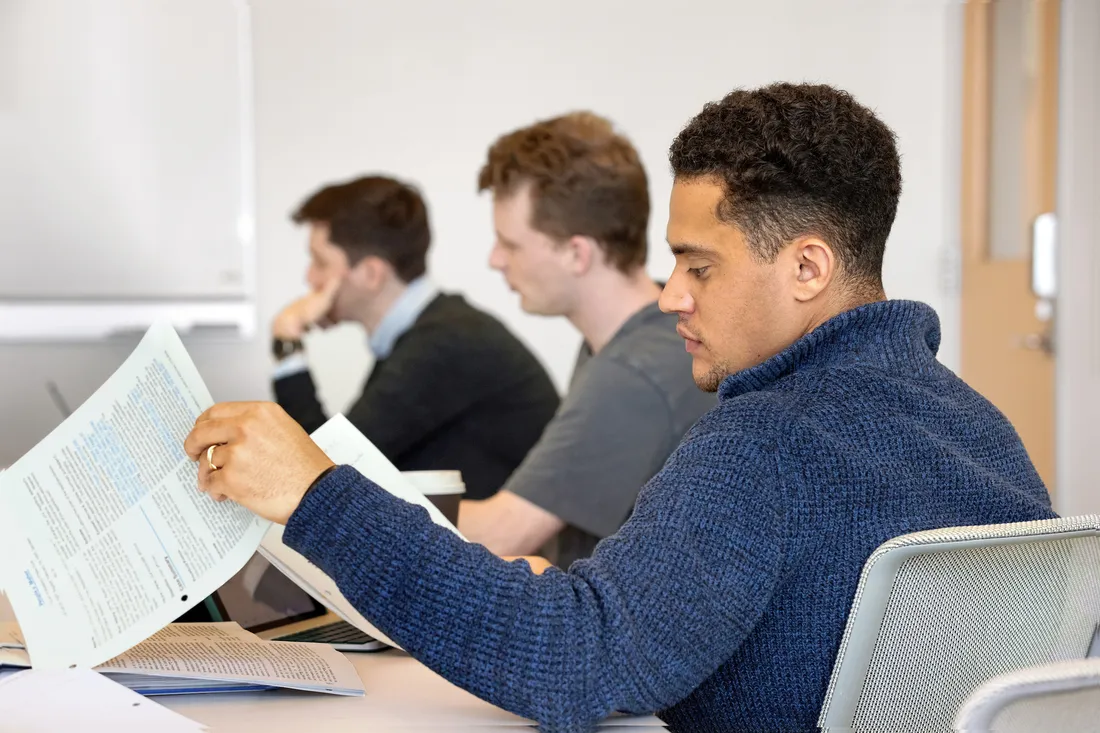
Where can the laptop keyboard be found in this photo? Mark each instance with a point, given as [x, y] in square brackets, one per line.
[340, 632]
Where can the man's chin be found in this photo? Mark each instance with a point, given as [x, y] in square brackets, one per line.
[534, 309]
[708, 378]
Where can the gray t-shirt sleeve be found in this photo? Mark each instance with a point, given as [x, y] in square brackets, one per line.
[612, 433]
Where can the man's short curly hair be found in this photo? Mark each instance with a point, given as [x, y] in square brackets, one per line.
[798, 159]
[586, 179]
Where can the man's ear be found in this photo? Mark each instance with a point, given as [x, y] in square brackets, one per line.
[370, 273]
[814, 266]
[584, 251]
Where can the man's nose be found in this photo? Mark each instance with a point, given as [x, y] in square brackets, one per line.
[674, 298]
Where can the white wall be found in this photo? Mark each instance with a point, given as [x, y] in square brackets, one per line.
[421, 88]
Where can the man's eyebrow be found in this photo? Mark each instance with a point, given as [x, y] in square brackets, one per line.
[686, 248]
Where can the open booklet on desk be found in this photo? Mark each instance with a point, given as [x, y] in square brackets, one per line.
[104, 537]
[221, 657]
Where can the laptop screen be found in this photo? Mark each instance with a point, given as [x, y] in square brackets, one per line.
[260, 597]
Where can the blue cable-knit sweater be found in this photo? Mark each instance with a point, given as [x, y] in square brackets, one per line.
[721, 603]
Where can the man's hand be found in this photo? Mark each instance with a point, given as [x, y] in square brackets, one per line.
[538, 565]
[306, 312]
[265, 461]
[507, 524]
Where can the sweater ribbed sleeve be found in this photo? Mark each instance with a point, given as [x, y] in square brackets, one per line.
[636, 628]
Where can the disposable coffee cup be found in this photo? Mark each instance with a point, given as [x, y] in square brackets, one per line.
[443, 488]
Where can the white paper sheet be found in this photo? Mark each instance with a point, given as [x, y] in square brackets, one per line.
[55, 701]
[227, 652]
[106, 538]
[344, 444]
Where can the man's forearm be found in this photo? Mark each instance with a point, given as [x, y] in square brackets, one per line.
[507, 524]
[460, 611]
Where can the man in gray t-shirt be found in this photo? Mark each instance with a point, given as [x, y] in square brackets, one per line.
[571, 210]
[628, 406]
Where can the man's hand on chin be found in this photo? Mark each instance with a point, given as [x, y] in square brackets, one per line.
[308, 311]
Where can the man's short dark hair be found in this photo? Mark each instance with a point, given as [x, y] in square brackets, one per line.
[798, 159]
[374, 215]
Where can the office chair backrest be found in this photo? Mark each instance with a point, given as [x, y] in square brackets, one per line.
[1056, 698]
[937, 613]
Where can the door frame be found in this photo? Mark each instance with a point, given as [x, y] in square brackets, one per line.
[995, 305]
[1078, 318]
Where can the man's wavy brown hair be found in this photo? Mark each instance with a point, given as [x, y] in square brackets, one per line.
[585, 179]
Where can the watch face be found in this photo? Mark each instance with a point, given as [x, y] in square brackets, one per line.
[284, 348]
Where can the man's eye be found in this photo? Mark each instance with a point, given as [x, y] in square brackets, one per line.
[698, 271]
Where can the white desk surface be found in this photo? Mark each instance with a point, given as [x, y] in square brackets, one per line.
[401, 694]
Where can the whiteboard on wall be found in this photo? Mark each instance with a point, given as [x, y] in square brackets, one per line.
[125, 165]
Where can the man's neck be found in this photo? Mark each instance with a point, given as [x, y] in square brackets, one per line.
[608, 301]
[376, 309]
[843, 302]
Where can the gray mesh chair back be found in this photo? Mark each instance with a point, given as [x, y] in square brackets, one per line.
[1061, 697]
[937, 613]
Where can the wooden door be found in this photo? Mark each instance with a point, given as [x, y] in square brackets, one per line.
[1009, 147]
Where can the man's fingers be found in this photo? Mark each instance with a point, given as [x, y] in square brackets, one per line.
[330, 288]
[205, 474]
[537, 564]
[322, 303]
[212, 431]
[210, 481]
[224, 410]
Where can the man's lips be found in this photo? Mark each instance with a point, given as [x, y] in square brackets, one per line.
[691, 342]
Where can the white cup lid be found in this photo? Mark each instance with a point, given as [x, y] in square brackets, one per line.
[436, 482]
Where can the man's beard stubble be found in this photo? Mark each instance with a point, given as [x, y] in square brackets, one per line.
[710, 381]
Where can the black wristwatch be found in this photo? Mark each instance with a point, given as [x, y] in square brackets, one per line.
[282, 348]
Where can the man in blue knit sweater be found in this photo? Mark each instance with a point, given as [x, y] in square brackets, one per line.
[720, 604]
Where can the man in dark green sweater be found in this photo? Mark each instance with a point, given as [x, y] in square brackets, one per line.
[451, 387]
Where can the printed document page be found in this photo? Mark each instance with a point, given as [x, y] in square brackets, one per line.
[104, 536]
[90, 701]
[222, 652]
[227, 652]
[344, 444]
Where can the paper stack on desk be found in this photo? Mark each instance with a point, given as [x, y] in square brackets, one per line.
[218, 657]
